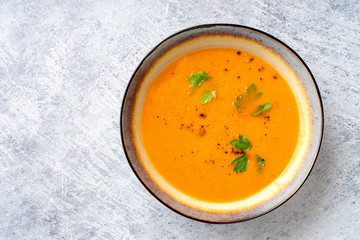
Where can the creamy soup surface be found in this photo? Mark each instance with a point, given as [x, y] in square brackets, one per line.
[188, 143]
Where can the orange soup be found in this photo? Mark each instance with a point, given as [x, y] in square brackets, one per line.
[219, 124]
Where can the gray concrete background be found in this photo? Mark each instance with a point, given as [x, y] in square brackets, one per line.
[64, 66]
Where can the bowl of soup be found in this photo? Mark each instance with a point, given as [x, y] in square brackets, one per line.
[222, 123]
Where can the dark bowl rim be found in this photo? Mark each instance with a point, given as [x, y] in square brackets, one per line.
[236, 26]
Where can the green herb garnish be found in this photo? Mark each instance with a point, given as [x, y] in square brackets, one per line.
[251, 91]
[262, 108]
[238, 102]
[197, 79]
[237, 106]
[242, 145]
[206, 97]
[250, 94]
[240, 164]
[261, 163]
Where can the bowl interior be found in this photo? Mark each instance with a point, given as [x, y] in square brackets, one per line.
[277, 54]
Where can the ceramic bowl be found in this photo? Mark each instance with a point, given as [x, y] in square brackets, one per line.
[277, 54]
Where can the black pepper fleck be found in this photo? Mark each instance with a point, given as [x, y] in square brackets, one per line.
[202, 115]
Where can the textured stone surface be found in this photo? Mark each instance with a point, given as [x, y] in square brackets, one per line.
[64, 66]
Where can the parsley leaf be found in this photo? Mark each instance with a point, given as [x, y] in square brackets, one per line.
[197, 79]
[240, 164]
[262, 108]
[261, 163]
[242, 145]
[237, 106]
[206, 97]
[239, 100]
[251, 91]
